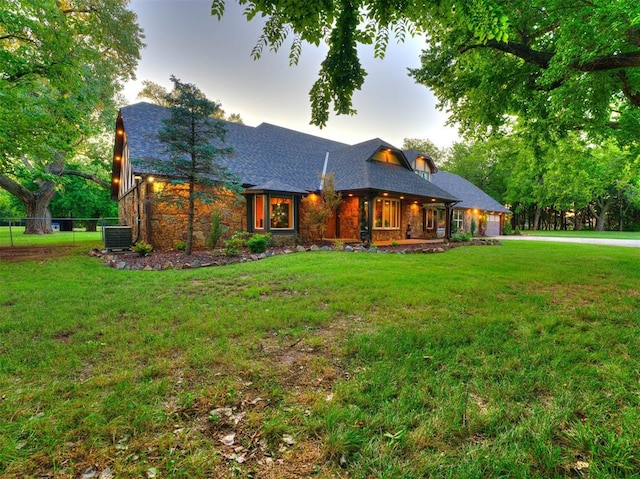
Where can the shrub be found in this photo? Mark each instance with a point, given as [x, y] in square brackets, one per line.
[474, 227]
[217, 229]
[461, 237]
[238, 240]
[180, 245]
[142, 248]
[258, 243]
[507, 229]
[338, 245]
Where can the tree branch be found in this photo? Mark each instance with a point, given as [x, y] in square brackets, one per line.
[542, 59]
[87, 176]
[633, 96]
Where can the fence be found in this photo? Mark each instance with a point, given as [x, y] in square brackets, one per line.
[65, 231]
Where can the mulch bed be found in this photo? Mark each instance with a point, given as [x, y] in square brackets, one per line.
[163, 260]
[160, 260]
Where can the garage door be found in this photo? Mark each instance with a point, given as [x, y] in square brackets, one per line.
[493, 225]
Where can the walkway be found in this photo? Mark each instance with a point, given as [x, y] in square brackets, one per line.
[558, 239]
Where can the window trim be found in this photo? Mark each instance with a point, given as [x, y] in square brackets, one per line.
[393, 225]
[258, 213]
[290, 215]
[458, 217]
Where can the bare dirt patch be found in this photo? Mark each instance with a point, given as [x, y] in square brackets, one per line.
[34, 253]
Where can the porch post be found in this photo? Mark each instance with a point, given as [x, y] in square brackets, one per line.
[447, 220]
[370, 216]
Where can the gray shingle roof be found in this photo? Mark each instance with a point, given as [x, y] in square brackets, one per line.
[269, 157]
[470, 195]
[354, 169]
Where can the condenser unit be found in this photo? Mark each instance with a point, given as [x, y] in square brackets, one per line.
[118, 238]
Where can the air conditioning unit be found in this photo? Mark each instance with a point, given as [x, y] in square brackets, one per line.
[118, 238]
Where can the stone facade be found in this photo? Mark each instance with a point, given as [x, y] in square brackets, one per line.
[157, 211]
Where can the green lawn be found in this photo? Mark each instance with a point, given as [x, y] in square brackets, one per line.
[15, 236]
[627, 235]
[516, 361]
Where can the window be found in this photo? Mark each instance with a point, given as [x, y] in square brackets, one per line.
[430, 221]
[422, 168]
[281, 212]
[386, 214]
[458, 220]
[258, 209]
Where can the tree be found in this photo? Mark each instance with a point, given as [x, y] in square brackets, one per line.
[345, 24]
[159, 94]
[62, 64]
[318, 210]
[563, 66]
[553, 64]
[194, 142]
[425, 146]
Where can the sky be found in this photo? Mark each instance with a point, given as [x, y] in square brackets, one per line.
[184, 40]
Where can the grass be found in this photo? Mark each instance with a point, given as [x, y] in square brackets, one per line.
[514, 361]
[626, 235]
[15, 236]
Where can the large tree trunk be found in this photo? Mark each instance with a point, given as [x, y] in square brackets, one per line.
[601, 215]
[536, 219]
[36, 202]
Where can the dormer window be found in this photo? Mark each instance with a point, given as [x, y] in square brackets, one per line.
[422, 168]
[386, 155]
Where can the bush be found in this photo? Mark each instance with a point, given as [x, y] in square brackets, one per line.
[238, 240]
[180, 245]
[507, 229]
[217, 229]
[461, 237]
[338, 245]
[258, 243]
[142, 248]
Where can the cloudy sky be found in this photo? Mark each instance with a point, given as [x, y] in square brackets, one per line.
[183, 39]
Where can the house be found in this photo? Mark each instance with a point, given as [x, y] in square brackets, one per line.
[383, 197]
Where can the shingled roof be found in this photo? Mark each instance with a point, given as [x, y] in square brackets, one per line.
[355, 169]
[470, 195]
[269, 157]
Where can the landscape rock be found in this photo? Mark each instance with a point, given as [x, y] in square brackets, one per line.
[314, 247]
[300, 249]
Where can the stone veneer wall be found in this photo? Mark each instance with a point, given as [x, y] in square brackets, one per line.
[167, 220]
[349, 217]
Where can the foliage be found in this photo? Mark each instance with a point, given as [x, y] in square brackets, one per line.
[473, 228]
[158, 95]
[194, 143]
[258, 243]
[180, 245]
[506, 228]
[9, 207]
[461, 237]
[237, 241]
[427, 147]
[338, 245]
[62, 64]
[142, 248]
[318, 210]
[343, 25]
[560, 69]
[217, 229]
[521, 363]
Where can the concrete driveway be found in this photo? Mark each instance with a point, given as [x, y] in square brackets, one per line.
[554, 239]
